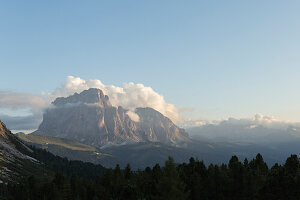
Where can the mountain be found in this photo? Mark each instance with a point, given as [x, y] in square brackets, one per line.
[15, 159]
[90, 118]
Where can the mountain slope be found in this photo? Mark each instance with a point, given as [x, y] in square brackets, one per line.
[15, 161]
[90, 118]
[44, 141]
[138, 155]
[62, 147]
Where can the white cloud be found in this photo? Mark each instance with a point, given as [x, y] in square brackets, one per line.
[258, 129]
[21, 100]
[193, 123]
[133, 116]
[18, 102]
[257, 120]
[261, 120]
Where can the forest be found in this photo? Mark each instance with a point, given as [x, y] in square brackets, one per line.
[237, 180]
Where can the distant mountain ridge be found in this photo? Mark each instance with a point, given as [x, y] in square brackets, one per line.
[90, 118]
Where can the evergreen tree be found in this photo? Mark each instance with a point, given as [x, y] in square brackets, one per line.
[170, 186]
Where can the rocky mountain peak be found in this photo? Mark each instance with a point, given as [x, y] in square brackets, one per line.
[89, 118]
[90, 96]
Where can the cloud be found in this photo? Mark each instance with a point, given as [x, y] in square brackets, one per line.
[257, 120]
[130, 96]
[193, 123]
[16, 101]
[19, 101]
[258, 129]
[133, 116]
[261, 120]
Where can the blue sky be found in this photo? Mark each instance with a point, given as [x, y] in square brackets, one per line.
[221, 58]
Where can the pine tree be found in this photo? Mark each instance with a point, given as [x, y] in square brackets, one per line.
[170, 186]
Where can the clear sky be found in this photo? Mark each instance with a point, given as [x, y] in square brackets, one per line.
[221, 58]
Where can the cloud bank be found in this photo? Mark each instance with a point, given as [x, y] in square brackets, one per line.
[258, 129]
[130, 96]
[261, 120]
[257, 120]
[16, 101]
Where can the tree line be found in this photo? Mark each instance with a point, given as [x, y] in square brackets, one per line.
[237, 180]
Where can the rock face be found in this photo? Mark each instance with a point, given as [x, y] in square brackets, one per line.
[90, 118]
[157, 128]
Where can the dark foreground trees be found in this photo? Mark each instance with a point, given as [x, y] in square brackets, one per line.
[237, 180]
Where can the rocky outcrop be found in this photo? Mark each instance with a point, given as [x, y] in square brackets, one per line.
[90, 118]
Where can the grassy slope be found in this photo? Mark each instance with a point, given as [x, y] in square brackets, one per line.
[138, 155]
[47, 140]
[67, 148]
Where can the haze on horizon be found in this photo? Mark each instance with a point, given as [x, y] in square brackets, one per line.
[192, 61]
